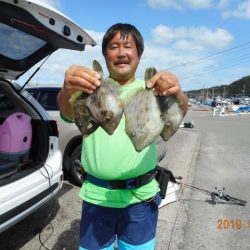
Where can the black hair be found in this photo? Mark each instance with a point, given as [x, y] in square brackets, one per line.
[125, 29]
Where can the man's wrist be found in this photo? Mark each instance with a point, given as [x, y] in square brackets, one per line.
[65, 94]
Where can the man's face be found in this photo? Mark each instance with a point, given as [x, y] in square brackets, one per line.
[122, 58]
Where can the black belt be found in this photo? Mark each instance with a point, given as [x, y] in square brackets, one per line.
[123, 184]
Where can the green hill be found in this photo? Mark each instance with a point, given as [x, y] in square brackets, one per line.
[237, 88]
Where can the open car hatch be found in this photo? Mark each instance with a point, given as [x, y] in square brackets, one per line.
[30, 31]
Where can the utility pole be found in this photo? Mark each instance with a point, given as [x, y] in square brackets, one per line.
[243, 90]
[203, 94]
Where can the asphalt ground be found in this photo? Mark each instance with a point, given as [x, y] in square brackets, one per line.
[215, 153]
[182, 151]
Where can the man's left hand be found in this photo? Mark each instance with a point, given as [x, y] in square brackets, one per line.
[164, 83]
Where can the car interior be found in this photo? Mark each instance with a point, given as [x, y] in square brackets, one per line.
[23, 146]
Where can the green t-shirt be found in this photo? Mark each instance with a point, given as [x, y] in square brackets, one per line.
[113, 157]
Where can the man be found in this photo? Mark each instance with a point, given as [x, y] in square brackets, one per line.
[214, 105]
[128, 213]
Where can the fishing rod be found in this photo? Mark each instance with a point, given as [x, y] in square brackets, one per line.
[217, 196]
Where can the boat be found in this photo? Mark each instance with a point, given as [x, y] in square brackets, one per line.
[241, 108]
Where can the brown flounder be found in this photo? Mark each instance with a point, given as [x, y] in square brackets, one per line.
[101, 108]
[147, 116]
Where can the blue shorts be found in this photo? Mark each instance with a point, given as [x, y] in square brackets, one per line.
[133, 226]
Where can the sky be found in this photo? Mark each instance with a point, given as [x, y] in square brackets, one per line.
[205, 43]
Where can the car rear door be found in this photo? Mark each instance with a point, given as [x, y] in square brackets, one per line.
[31, 30]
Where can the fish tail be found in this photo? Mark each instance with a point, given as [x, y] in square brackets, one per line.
[97, 67]
[149, 73]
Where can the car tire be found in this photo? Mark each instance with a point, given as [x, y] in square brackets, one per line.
[76, 168]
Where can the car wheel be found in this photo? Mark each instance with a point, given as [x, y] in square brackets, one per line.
[76, 169]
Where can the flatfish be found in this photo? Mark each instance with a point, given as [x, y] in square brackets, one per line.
[147, 116]
[101, 108]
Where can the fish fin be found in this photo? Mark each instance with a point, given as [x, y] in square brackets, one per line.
[132, 95]
[149, 73]
[114, 84]
[97, 67]
[74, 97]
[169, 130]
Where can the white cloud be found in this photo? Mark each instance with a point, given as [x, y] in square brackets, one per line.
[223, 4]
[191, 38]
[228, 8]
[242, 11]
[199, 4]
[178, 49]
[165, 4]
[54, 3]
[218, 38]
[163, 34]
[190, 4]
[186, 45]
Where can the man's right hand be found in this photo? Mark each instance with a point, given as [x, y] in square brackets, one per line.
[79, 78]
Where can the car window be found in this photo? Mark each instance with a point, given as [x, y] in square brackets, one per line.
[16, 44]
[33, 92]
[5, 103]
[48, 99]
